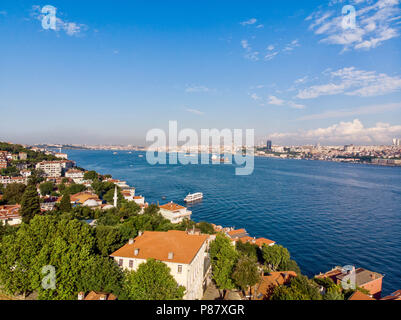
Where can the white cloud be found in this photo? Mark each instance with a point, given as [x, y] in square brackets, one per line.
[192, 89]
[376, 22]
[353, 82]
[250, 55]
[275, 101]
[249, 22]
[194, 111]
[270, 47]
[343, 132]
[291, 46]
[343, 113]
[270, 56]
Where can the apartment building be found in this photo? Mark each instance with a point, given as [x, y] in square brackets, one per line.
[174, 212]
[185, 254]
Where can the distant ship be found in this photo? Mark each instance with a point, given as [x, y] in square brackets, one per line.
[140, 156]
[194, 197]
[215, 158]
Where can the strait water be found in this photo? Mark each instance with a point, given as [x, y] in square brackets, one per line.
[325, 213]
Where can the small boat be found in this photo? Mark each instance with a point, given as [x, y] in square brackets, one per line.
[114, 152]
[164, 198]
[194, 197]
[140, 156]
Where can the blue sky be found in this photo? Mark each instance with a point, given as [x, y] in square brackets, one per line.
[115, 69]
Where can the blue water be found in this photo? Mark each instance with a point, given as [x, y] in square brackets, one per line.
[325, 213]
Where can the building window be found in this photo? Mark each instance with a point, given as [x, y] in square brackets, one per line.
[179, 268]
[120, 262]
[131, 264]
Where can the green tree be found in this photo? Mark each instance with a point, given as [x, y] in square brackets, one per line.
[247, 248]
[13, 193]
[333, 294]
[30, 204]
[109, 196]
[152, 281]
[65, 203]
[108, 239]
[205, 227]
[275, 255]
[46, 188]
[75, 188]
[289, 265]
[246, 273]
[152, 209]
[223, 258]
[102, 274]
[91, 175]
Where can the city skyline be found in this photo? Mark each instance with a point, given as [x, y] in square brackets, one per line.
[108, 74]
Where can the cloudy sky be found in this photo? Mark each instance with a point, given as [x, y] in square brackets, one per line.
[295, 71]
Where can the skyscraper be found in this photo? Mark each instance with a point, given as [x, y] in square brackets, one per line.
[269, 145]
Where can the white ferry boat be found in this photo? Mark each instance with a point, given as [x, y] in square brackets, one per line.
[194, 197]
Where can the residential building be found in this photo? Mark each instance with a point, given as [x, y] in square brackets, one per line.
[9, 214]
[4, 180]
[270, 281]
[26, 173]
[128, 194]
[185, 254]
[357, 295]
[61, 155]
[22, 156]
[86, 199]
[76, 175]
[3, 163]
[174, 212]
[369, 280]
[54, 168]
[237, 234]
[260, 242]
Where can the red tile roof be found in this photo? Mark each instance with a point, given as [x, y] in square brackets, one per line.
[158, 245]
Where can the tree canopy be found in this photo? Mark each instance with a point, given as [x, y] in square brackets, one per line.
[152, 281]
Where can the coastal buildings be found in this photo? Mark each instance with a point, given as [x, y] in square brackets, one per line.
[75, 174]
[174, 212]
[86, 199]
[185, 254]
[3, 163]
[9, 214]
[4, 180]
[54, 168]
[369, 280]
[270, 281]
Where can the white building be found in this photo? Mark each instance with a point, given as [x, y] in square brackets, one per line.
[4, 180]
[76, 175]
[61, 155]
[54, 168]
[26, 173]
[174, 212]
[128, 194]
[185, 254]
[10, 215]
